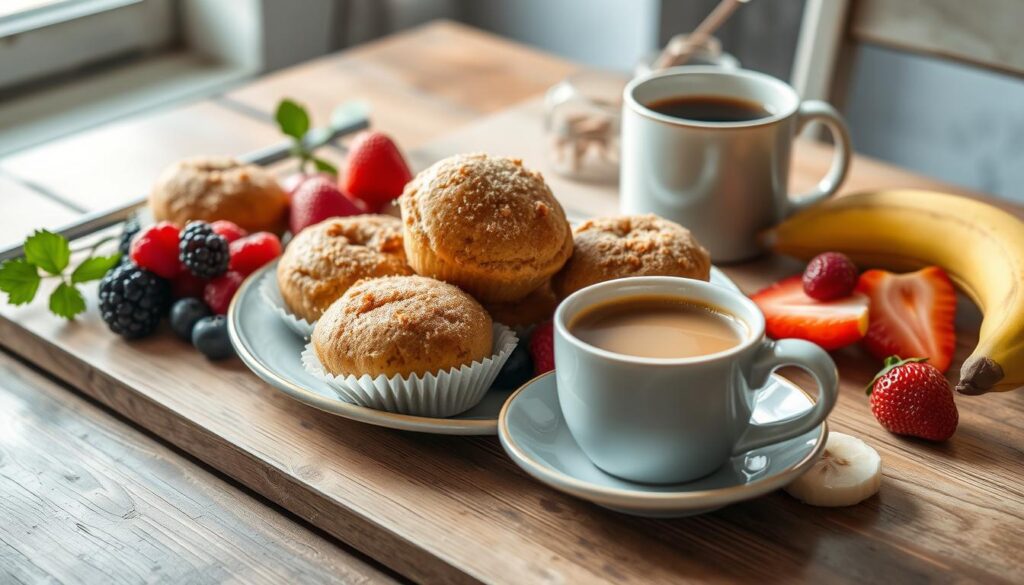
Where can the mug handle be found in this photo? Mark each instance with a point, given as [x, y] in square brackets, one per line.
[809, 111]
[790, 352]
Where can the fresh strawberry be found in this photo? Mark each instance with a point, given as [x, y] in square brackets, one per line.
[911, 314]
[250, 253]
[230, 230]
[542, 348]
[318, 199]
[156, 249]
[186, 284]
[375, 171]
[912, 397]
[830, 276]
[219, 291]
[789, 312]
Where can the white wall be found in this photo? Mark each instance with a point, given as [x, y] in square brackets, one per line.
[602, 33]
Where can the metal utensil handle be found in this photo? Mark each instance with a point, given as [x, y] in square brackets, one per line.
[93, 222]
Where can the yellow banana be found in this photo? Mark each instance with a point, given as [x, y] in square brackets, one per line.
[980, 246]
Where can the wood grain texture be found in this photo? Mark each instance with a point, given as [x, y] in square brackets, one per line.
[984, 33]
[88, 499]
[108, 165]
[420, 84]
[455, 509]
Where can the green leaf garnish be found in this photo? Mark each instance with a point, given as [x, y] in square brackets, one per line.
[292, 119]
[48, 251]
[325, 166]
[66, 301]
[20, 280]
[94, 268]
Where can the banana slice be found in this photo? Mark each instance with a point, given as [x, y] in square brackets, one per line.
[849, 472]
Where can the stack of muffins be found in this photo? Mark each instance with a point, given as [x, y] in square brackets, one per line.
[405, 310]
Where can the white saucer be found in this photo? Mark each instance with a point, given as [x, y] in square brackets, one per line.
[272, 350]
[535, 436]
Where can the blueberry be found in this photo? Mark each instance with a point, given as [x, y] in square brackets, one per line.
[210, 336]
[184, 315]
[517, 370]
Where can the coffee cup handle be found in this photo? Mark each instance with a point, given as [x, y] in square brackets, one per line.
[816, 110]
[790, 352]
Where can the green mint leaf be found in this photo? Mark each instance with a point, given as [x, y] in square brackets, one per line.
[20, 280]
[66, 301]
[324, 166]
[292, 119]
[94, 268]
[48, 251]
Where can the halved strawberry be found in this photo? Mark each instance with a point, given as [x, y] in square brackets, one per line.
[789, 312]
[911, 315]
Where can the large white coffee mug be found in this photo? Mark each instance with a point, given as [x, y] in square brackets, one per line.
[660, 420]
[725, 181]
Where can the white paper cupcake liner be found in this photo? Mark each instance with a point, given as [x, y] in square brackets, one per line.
[272, 296]
[437, 395]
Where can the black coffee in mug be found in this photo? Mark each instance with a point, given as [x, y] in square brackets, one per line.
[710, 108]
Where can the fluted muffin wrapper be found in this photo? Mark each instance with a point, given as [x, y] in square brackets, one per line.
[272, 297]
[486, 290]
[437, 395]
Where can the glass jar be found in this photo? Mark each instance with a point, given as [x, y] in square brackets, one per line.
[581, 123]
[709, 54]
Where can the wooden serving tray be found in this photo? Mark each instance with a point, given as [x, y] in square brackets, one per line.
[455, 509]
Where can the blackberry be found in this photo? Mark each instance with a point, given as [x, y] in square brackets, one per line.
[128, 231]
[132, 300]
[203, 251]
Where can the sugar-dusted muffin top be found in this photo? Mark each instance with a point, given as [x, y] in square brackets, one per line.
[212, 188]
[487, 213]
[633, 245]
[402, 325]
[325, 259]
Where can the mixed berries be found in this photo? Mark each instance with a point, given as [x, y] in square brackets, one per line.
[201, 266]
[890, 314]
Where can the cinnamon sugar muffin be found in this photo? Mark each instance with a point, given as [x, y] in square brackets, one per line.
[634, 245]
[212, 188]
[535, 307]
[401, 325]
[325, 259]
[486, 224]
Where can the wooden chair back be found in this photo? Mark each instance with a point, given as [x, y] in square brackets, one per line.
[981, 33]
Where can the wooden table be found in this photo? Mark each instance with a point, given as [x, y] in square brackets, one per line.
[455, 509]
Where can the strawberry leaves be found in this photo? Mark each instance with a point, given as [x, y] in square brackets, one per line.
[51, 253]
[293, 120]
[20, 280]
[48, 251]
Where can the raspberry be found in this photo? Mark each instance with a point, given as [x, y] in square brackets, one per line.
[230, 230]
[219, 291]
[830, 276]
[156, 249]
[132, 300]
[250, 253]
[202, 251]
[542, 348]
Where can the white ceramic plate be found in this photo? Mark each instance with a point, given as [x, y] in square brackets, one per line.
[272, 351]
[535, 435]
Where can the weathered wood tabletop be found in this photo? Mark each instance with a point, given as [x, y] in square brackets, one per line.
[455, 509]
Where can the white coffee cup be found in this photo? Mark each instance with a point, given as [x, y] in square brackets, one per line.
[725, 181]
[658, 420]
